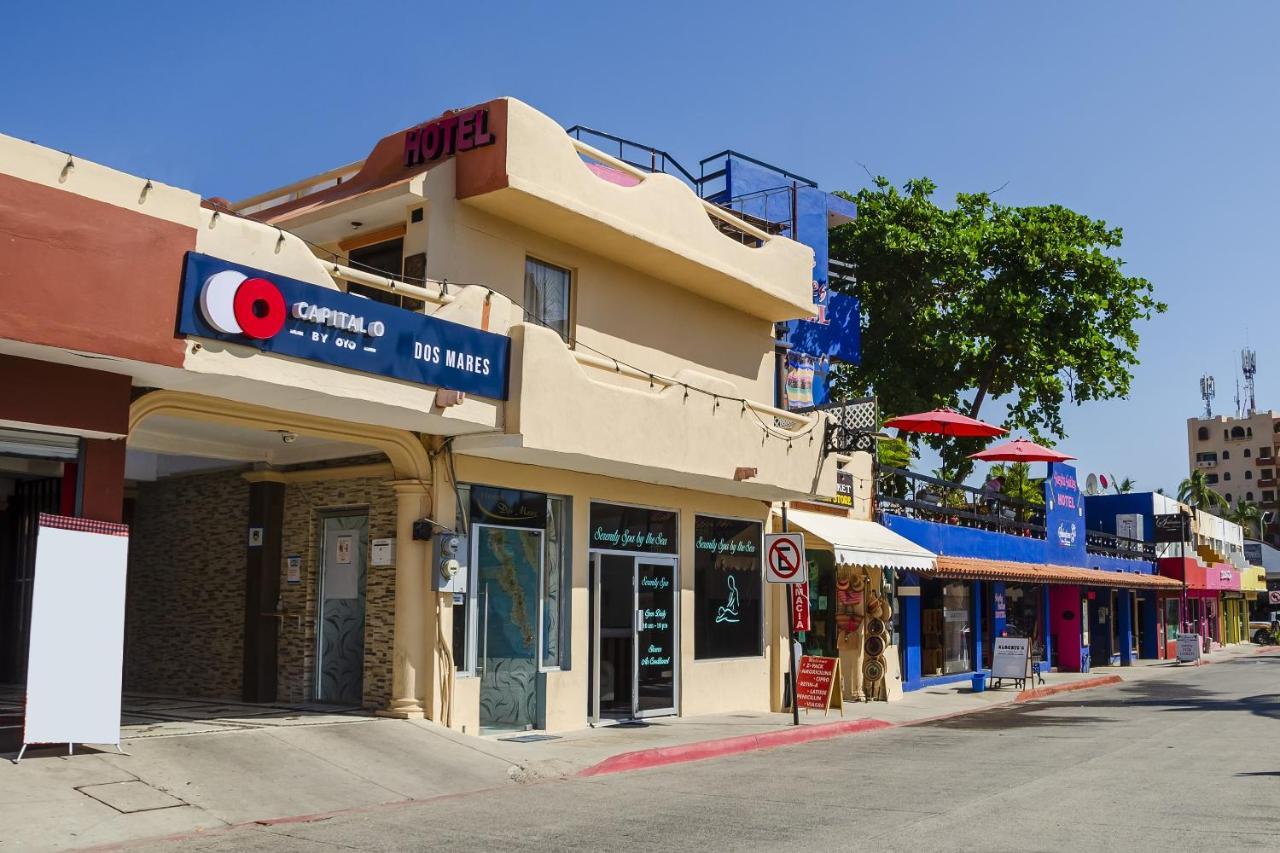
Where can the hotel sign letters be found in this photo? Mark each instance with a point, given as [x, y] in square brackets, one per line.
[238, 304]
[446, 136]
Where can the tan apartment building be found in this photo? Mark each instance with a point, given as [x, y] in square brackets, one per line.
[1238, 456]
[480, 428]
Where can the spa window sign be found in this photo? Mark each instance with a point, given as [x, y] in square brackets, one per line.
[615, 527]
[727, 582]
[238, 304]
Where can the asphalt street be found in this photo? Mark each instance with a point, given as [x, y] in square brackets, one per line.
[1187, 761]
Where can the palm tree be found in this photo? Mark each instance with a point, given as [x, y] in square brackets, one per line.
[1195, 491]
[1123, 487]
[1248, 515]
[1016, 482]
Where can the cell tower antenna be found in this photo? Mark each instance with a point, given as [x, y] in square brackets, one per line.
[1249, 367]
[1207, 391]
[1237, 396]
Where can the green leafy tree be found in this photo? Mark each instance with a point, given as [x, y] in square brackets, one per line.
[1195, 491]
[1248, 515]
[894, 452]
[982, 300]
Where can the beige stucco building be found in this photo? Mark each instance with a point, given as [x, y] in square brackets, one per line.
[1238, 456]
[479, 428]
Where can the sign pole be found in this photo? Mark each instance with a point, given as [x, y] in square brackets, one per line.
[791, 636]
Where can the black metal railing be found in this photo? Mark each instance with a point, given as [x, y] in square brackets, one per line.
[906, 493]
[1099, 542]
[634, 153]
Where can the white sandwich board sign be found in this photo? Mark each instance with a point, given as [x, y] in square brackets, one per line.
[76, 649]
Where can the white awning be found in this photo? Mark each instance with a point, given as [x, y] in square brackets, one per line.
[862, 543]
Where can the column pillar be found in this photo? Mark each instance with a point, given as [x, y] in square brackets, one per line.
[411, 662]
[978, 588]
[1124, 629]
[910, 638]
[1046, 622]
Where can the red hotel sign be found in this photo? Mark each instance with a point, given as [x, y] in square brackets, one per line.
[447, 136]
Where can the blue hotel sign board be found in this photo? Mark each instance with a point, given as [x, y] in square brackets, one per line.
[238, 304]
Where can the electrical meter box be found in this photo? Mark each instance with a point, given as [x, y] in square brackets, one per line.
[449, 562]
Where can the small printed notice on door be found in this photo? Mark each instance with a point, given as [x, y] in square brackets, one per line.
[345, 548]
[293, 569]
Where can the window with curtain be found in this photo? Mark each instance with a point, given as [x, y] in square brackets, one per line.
[547, 296]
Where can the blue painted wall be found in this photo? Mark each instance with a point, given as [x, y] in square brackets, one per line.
[1101, 511]
[839, 337]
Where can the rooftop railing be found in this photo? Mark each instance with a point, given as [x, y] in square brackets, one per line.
[1109, 544]
[906, 493]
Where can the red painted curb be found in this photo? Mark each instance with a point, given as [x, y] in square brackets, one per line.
[663, 755]
[1041, 692]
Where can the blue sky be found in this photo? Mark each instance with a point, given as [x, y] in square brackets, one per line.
[1159, 117]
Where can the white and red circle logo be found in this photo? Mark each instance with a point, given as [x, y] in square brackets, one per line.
[235, 304]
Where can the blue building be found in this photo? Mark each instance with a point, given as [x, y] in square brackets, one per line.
[1085, 597]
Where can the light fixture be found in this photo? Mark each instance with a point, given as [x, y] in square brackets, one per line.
[288, 437]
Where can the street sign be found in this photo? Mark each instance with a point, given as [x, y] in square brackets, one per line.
[784, 557]
[800, 606]
[1273, 596]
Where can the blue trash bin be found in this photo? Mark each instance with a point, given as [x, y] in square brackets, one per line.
[979, 682]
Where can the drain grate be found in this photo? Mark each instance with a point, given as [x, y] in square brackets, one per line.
[529, 738]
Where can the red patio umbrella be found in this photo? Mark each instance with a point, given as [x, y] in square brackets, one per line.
[945, 422]
[1020, 450]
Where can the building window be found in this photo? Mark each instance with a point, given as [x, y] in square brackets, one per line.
[1269, 495]
[1264, 452]
[1248, 475]
[1202, 434]
[386, 258]
[1237, 432]
[1248, 496]
[1226, 454]
[728, 619]
[946, 614]
[1247, 453]
[1226, 476]
[1207, 456]
[1211, 478]
[1249, 431]
[508, 577]
[1266, 473]
[547, 297]
[1227, 497]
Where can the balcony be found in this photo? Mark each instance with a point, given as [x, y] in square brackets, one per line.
[1264, 461]
[575, 411]
[1206, 463]
[911, 495]
[540, 178]
[1098, 542]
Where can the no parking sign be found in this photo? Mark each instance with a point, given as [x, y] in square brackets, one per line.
[784, 557]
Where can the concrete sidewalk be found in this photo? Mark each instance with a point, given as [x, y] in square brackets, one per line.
[207, 776]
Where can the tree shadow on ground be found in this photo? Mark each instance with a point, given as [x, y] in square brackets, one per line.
[1156, 695]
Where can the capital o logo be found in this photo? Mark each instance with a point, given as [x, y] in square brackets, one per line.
[235, 304]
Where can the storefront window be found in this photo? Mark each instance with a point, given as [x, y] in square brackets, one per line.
[946, 622]
[617, 527]
[727, 581]
[515, 508]
[1023, 616]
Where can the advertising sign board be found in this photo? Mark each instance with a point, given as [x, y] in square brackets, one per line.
[1189, 646]
[1011, 658]
[818, 684]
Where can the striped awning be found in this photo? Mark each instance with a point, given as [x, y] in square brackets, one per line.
[1007, 570]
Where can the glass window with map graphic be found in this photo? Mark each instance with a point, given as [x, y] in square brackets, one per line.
[727, 581]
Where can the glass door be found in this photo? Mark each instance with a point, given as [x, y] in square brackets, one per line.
[654, 689]
[507, 571]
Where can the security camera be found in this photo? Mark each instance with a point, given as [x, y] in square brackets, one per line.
[288, 437]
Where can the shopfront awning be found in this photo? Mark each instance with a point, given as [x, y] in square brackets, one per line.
[862, 543]
[1005, 570]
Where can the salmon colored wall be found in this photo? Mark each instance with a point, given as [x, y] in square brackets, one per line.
[57, 395]
[89, 276]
